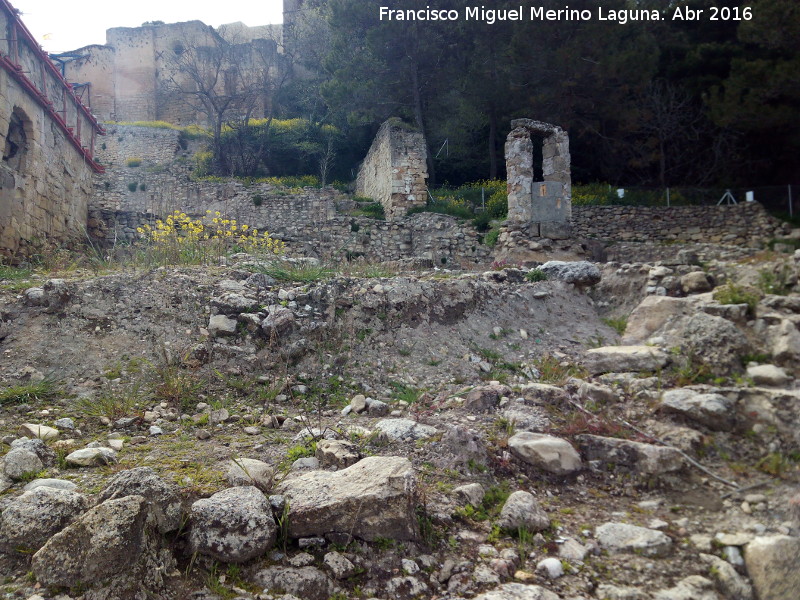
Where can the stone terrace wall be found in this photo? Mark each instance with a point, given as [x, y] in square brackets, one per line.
[438, 237]
[395, 170]
[741, 224]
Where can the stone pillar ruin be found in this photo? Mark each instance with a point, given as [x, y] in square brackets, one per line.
[395, 170]
[545, 206]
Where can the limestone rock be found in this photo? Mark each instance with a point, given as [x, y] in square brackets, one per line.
[43, 432]
[249, 471]
[373, 498]
[714, 342]
[220, 325]
[697, 282]
[337, 453]
[623, 537]
[471, 493]
[278, 323]
[546, 452]
[518, 591]
[92, 457]
[358, 403]
[693, 587]
[543, 393]
[550, 568]
[404, 429]
[768, 375]
[21, 462]
[714, 411]
[606, 591]
[647, 459]
[581, 273]
[38, 447]
[522, 510]
[111, 546]
[773, 563]
[233, 525]
[58, 484]
[162, 497]
[625, 359]
[339, 566]
[484, 398]
[729, 583]
[406, 588]
[35, 516]
[462, 448]
[308, 583]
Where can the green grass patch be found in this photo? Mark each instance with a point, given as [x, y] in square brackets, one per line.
[733, 293]
[46, 389]
[298, 272]
[618, 324]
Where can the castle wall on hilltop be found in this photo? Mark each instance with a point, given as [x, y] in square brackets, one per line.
[130, 75]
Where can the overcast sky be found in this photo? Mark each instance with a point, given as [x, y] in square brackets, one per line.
[60, 25]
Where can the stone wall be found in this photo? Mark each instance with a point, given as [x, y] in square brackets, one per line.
[741, 224]
[128, 73]
[395, 170]
[46, 136]
[440, 238]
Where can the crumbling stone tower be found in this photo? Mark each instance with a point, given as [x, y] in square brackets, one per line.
[545, 206]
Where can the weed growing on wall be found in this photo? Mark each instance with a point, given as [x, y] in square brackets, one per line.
[181, 240]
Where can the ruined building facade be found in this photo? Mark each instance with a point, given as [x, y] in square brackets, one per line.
[48, 139]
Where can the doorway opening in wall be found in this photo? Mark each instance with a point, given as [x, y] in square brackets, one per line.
[16, 146]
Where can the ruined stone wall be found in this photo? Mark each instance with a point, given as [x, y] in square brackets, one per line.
[395, 170]
[741, 224]
[128, 73]
[46, 167]
[441, 238]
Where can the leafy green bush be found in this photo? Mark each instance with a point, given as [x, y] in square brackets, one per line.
[535, 275]
[373, 210]
[733, 293]
[491, 238]
[133, 162]
[133, 186]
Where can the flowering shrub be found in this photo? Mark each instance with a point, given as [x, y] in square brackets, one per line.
[179, 239]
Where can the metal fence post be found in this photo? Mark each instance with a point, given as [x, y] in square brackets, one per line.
[791, 208]
[667, 196]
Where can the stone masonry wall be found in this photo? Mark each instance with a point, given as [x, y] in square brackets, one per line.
[45, 180]
[741, 224]
[395, 170]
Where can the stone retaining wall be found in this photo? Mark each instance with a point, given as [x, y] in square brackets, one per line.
[741, 224]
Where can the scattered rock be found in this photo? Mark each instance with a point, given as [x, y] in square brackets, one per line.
[35, 516]
[358, 403]
[404, 429]
[693, 587]
[308, 583]
[92, 457]
[111, 547]
[636, 457]
[714, 411]
[58, 484]
[546, 452]
[625, 359]
[233, 525]
[278, 323]
[580, 273]
[471, 493]
[484, 398]
[373, 498]
[43, 432]
[339, 566]
[550, 568]
[249, 471]
[768, 375]
[518, 591]
[162, 497]
[21, 462]
[729, 583]
[697, 282]
[773, 564]
[522, 510]
[623, 537]
[220, 325]
[337, 453]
